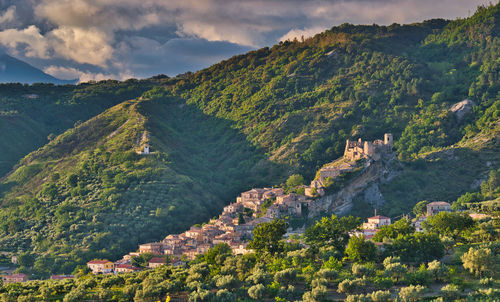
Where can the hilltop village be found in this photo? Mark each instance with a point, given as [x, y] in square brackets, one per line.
[235, 224]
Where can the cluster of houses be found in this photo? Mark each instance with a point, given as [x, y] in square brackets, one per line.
[373, 224]
[234, 227]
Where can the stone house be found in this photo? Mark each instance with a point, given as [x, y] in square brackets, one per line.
[155, 262]
[14, 278]
[152, 247]
[437, 206]
[376, 221]
[101, 266]
[126, 268]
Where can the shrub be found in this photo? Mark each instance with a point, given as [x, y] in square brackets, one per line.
[358, 298]
[257, 291]
[285, 276]
[381, 296]
[450, 291]
[360, 270]
[411, 293]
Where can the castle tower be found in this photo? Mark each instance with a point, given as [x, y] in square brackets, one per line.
[346, 151]
[388, 140]
[368, 148]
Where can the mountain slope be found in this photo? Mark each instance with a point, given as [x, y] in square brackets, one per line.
[252, 120]
[89, 194]
[13, 70]
[30, 115]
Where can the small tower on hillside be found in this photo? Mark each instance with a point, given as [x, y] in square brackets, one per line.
[146, 149]
[388, 140]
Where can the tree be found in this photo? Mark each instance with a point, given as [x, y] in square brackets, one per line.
[294, 181]
[420, 208]
[417, 247]
[449, 223]
[437, 270]
[361, 250]
[331, 231]
[400, 227]
[411, 293]
[257, 291]
[395, 270]
[217, 254]
[26, 259]
[479, 261]
[267, 237]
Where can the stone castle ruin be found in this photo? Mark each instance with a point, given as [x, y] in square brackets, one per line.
[359, 149]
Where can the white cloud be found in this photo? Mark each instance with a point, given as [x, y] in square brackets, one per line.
[81, 45]
[30, 39]
[299, 33]
[70, 73]
[9, 15]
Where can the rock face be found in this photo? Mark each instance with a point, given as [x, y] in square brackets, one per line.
[462, 108]
[341, 201]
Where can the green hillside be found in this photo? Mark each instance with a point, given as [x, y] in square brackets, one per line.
[29, 114]
[251, 120]
[89, 194]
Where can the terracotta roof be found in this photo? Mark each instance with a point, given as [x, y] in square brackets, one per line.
[128, 266]
[438, 203]
[157, 260]
[379, 217]
[98, 262]
[20, 275]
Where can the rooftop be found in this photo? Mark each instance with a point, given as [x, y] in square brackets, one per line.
[378, 217]
[438, 203]
[99, 262]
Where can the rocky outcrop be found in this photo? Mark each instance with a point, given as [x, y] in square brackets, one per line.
[341, 201]
[462, 108]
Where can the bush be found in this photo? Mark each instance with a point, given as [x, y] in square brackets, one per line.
[257, 291]
[450, 292]
[285, 276]
[360, 270]
[381, 296]
[411, 293]
[358, 298]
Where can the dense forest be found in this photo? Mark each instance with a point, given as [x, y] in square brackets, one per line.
[79, 189]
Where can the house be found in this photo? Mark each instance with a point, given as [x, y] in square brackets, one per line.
[61, 277]
[417, 223]
[376, 221]
[234, 207]
[152, 247]
[155, 262]
[126, 268]
[437, 206]
[101, 266]
[193, 232]
[14, 278]
[177, 262]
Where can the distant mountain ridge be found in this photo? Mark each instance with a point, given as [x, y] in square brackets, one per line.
[13, 70]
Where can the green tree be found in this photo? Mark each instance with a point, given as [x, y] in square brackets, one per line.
[331, 231]
[437, 270]
[361, 250]
[411, 293]
[449, 223]
[420, 208]
[26, 259]
[267, 237]
[294, 181]
[480, 261]
[400, 227]
[417, 247]
[217, 254]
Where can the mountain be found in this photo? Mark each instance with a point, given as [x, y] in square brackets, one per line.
[249, 121]
[13, 70]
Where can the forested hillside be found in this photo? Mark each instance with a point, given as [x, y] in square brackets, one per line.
[30, 116]
[251, 120]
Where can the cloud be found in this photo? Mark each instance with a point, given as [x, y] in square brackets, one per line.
[82, 45]
[70, 73]
[101, 38]
[299, 33]
[8, 16]
[29, 41]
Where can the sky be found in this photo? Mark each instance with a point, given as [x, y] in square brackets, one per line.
[121, 39]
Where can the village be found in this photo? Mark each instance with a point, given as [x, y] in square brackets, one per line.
[235, 224]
